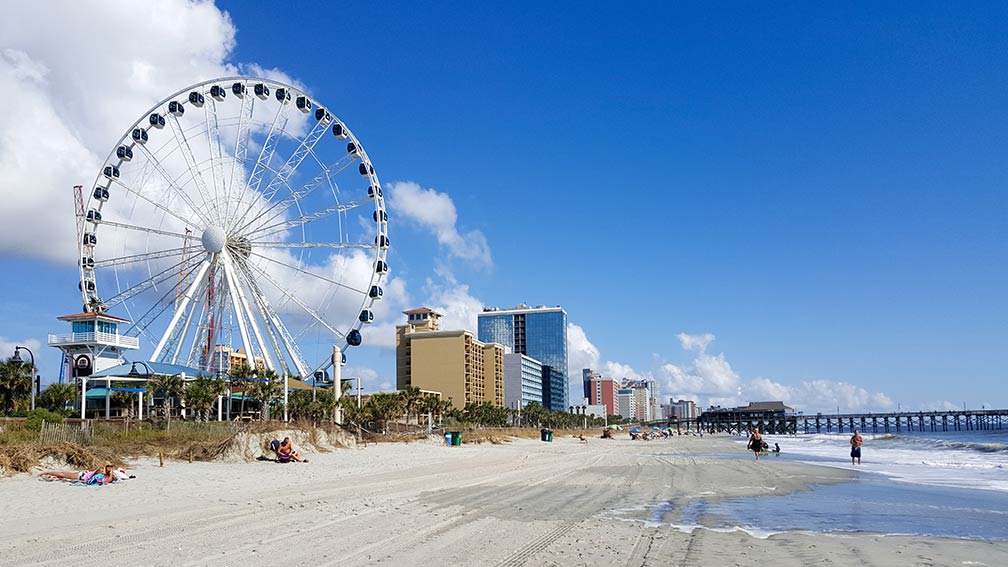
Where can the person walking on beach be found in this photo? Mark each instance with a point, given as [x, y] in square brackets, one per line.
[756, 443]
[855, 447]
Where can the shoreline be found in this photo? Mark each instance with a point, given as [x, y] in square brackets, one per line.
[522, 502]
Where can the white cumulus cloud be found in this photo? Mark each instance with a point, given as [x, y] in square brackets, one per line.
[435, 211]
[73, 78]
[695, 342]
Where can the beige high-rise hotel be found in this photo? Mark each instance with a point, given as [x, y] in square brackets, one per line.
[453, 363]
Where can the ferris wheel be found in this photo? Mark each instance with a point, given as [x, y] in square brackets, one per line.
[237, 217]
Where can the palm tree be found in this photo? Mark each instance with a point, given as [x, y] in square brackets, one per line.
[382, 407]
[201, 394]
[15, 384]
[352, 415]
[169, 386]
[57, 396]
[266, 390]
[411, 401]
[239, 376]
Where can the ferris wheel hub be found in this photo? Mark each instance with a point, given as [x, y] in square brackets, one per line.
[214, 238]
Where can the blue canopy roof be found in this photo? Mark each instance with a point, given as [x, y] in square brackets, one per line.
[156, 367]
[95, 393]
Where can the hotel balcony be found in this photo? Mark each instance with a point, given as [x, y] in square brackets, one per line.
[96, 338]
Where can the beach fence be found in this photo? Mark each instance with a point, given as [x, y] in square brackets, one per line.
[90, 432]
[78, 433]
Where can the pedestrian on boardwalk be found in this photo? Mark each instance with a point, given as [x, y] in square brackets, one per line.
[855, 447]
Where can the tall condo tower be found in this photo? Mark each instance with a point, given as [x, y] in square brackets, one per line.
[539, 332]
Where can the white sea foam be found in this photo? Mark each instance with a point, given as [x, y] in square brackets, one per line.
[964, 459]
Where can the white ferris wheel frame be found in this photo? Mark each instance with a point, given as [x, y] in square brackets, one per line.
[251, 308]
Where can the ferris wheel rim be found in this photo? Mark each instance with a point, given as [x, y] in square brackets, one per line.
[380, 249]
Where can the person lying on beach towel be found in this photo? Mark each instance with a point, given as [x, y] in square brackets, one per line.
[100, 476]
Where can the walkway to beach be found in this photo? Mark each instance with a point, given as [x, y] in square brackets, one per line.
[522, 503]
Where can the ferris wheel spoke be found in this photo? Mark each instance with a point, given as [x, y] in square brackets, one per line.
[156, 164]
[241, 148]
[178, 339]
[302, 220]
[198, 333]
[331, 245]
[322, 179]
[148, 283]
[306, 272]
[287, 293]
[123, 260]
[292, 163]
[203, 267]
[146, 229]
[160, 206]
[178, 336]
[216, 154]
[142, 323]
[192, 164]
[272, 319]
[262, 162]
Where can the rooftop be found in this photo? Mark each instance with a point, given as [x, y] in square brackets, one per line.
[520, 308]
[93, 315]
[420, 310]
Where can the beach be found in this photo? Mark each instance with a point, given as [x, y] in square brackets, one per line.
[524, 502]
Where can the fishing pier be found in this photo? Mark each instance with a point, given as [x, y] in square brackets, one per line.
[785, 423]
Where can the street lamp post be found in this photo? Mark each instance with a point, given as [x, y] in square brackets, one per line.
[35, 380]
[135, 374]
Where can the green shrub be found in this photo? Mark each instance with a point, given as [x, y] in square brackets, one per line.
[34, 419]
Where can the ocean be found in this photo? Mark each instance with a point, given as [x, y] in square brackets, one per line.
[933, 484]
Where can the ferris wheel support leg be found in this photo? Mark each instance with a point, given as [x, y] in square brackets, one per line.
[337, 374]
[182, 308]
[239, 314]
[240, 292]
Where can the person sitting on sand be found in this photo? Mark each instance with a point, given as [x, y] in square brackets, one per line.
[582, 438]
[756, 443]
[855, 447]
[286, 451]
[102, 475]
[776, 449]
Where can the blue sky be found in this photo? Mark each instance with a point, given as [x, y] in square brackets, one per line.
[821, 189]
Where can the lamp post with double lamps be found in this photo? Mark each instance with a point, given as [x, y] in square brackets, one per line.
[134, 373]
[35, 380]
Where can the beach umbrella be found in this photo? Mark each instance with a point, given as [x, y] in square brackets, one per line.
[635, 430]
[655, 427]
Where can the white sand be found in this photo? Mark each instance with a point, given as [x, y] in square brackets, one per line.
[523, 503]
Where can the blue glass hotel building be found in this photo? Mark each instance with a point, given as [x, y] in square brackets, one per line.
[539, 332]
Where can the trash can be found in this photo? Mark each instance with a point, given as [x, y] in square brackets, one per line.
[549, 436]
[543, 434]
[456, 438]
[447, 438]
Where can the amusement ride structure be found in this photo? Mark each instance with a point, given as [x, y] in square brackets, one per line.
[237, 217]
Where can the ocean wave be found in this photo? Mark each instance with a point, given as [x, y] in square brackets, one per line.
[982, 447]
[961, 465]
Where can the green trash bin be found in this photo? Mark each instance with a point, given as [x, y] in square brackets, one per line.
[456, 438]
[549, 436]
